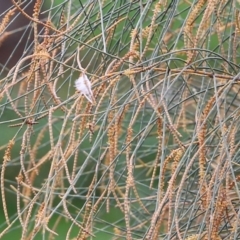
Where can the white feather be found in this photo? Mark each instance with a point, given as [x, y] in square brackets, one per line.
[83, 85]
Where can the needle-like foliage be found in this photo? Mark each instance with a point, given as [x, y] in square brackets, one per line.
[120, 120]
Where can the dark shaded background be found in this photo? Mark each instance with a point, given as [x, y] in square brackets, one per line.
[13, 46]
